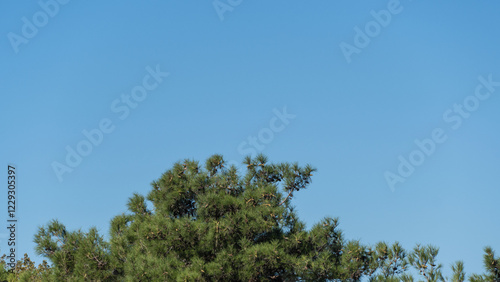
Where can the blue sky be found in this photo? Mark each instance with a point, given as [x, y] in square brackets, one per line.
[229, 73]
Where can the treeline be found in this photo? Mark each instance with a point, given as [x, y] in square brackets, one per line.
[212, 224]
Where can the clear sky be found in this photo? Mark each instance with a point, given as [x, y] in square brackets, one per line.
[347, 86]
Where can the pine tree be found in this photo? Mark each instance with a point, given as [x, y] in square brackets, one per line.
[210, 223]
[492, 265]
[25, 270]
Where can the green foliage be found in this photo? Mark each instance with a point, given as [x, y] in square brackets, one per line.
[424, 260]
[390, 261]
[492, 265]
[458, 272]
[212, 224]
[74, 254]
[25, 270]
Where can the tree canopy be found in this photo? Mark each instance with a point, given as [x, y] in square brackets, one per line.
[213, 223]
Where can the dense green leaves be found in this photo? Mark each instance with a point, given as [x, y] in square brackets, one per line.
[75, 254]
[211, 223]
